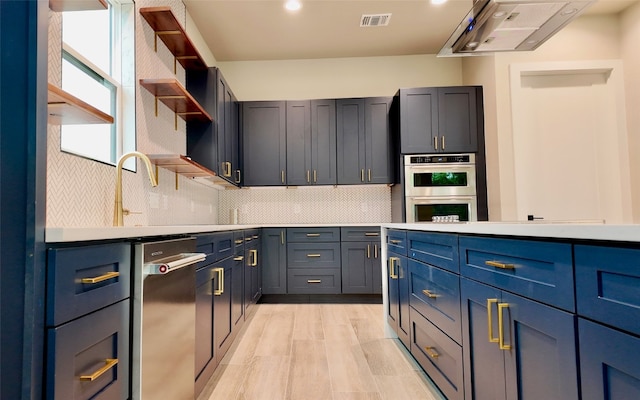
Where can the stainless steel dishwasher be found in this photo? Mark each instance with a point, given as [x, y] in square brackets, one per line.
[163, 340]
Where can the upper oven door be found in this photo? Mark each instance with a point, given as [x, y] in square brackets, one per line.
[440, 180]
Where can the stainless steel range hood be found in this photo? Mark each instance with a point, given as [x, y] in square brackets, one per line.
[511, 25]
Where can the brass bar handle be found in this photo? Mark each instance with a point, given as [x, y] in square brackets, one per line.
[392, 262]
[490, 302]
[238, 176]
[435, 142]
[308, 176]
[239, 258]
[362, 175]
[375, 251]
[282, 176]
[431, 352]
[393, 241]
[101, 278]
[255, 236]
[371, 234]
[238, 241]
[314, 280]
[109, 363]
[254, 254]
[227, 169]
[282, 236]
[313, 255]
[315, 176]
[313, 234]
[369, 173]
[500, 265]
[220, 289]
[442, 137]
[368, 251]
[430, 294]
[501, 307]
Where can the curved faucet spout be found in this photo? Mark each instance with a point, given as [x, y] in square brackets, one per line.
[117, 209]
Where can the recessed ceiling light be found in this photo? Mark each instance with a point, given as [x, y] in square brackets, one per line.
[293, 5]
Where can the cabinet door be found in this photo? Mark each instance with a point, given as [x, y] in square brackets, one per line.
[351, 151]
[252, 274]
[222, 304]
[237, 289]
[483, 360]
[235, 142]
[542, 362]
[224, 115]
[418, 120]
[202, 137]
[457, 119]
[323, 142]
[398, 312]
[357, 267]
[299, 143]
[274, 261]
[377, 140]
[205, 361]
[609, 363]
[264, 143]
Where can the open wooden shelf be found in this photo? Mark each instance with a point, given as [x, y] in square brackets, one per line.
[183, 165]
[77, 5]
[172, 94]
[66, 109]
[167, 27]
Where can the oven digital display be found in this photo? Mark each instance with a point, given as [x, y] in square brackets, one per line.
[439, 179]
[426, 212]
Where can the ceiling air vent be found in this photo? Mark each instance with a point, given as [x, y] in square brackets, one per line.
[374, 20]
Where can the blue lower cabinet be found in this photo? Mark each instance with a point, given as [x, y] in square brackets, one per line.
[609, 363]
[439, 249]
[398, 297]
[313, 281]
[533, 344]
[88, 358]
[438, 354]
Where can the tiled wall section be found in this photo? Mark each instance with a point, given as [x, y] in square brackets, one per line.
[307, 205]
[80, 192]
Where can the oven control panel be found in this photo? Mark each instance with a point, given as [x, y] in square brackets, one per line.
[440, 159]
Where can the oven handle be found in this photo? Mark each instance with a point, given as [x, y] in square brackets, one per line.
[441, 198]
[185, 260]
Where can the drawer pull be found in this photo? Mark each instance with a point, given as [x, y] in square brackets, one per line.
[431, 352]
[314, 280]
[499, 265]
[490, 302]
[313, 255]
[220, 289]
[109, 363]
[375, 251]
[371, 234]
[98, 279]
[430, 295]
[255, 236]
[238, 241]
[392, 273]
[394, 241]
[239, 258]
[313, 234]
[368, 251]
[501, 307]
[254, 254]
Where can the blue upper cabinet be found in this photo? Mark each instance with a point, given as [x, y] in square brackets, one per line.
[440, 120]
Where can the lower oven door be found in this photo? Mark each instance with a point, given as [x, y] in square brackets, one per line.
[423, 209]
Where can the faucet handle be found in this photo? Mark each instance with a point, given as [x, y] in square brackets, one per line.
[126, 211]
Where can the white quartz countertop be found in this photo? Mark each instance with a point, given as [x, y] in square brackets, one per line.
[583, 231]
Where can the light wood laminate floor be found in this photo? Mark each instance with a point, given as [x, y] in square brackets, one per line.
[317, 352]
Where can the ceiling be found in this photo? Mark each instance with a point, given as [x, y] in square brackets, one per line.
[242, 30]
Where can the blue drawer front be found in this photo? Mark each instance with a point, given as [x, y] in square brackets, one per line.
[397, 241]
[609, 363]
[313, 234]
[438, 355]
[313, 255]
[435, 293]
[360, 234]
[217, 245]
[314, 281]
[69, 297]
[608, 285]
[82, 347]
[439, 249]
[541, 271]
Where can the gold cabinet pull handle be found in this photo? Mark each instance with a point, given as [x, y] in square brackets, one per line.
[308, 178]
[435, 142]
[313, 234]
[429, 294]
[281, 236]
[238, 176]
[490, 302]
[282, 176]
[371, 234]
[314, 280]
[369, 173]
[109, 363]
[375, 251]
[220, 289]
[442, 137]
[228, 171]
[254, 254]
[394, 241]
[315, 255]
[392, 262]
[501, 307]
[239, 258]
[499, 265]
[432, 352]
[101, 278]
[368, 251]
[362, 175]
[315, 176]
[238, 241]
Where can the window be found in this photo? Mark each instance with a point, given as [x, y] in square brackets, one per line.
[98, 66]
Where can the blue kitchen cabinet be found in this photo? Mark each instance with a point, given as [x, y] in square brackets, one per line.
[313, 261]
[274, 261]
[609, 363]
[516, 348]
[398, 296]
[439, 249]
[360, 259]
[264, 143]
[252, 268]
